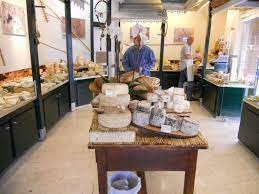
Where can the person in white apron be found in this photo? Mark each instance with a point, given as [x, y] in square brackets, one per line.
[187, 67]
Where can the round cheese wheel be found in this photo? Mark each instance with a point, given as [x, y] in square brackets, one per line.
[179, 108]
[115, 120]
[179, 91]
[118, 88]
[178, 98]
[114, 101]
[165, 98]
[170, 105]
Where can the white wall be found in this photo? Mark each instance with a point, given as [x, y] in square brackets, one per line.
[196, 20]
[15, 49]
[51, 33]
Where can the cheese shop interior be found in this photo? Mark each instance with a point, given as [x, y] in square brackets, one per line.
[54, 52]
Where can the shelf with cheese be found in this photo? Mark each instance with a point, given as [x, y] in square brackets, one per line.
[85, 68]
[16, 88]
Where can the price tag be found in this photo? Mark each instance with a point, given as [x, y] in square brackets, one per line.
[110, 93]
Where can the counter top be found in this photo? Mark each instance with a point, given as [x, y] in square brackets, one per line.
[54, 87]
[89, 77]
[252, 103]
[7, 111]
[231, 85]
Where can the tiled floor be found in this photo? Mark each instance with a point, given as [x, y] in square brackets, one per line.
[63, 165]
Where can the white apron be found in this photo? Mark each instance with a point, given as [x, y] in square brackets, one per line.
[190, 74]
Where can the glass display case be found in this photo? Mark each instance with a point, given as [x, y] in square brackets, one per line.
[233, 50]
[16, 82]
[84, 67]
[52, 44]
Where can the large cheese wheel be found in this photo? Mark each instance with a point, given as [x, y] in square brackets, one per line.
[114, 101]
[115, 120]
[118, 88]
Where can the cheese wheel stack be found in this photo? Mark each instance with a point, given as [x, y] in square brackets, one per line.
[115, 100]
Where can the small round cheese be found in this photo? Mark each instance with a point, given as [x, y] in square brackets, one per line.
[115, 120]
[118, 88]
[165, 98]
[152, 97]
[170, 105]
[178, 107]
[114, 101]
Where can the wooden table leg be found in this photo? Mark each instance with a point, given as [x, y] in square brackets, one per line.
[143, 190]
[102, 171]
[190, 173]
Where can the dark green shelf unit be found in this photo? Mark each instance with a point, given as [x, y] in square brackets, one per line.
[18, 132]
[223, 101]
[249, 128]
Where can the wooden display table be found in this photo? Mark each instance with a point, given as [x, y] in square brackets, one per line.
[148, 153]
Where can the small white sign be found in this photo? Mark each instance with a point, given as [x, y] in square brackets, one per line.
[166, 128]
[110, 93]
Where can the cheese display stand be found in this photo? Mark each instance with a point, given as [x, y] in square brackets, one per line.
[142, 129]
[224, 100]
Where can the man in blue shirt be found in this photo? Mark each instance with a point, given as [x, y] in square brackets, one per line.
[139, 58]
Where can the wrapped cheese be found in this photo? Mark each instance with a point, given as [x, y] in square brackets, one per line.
[170, 105]
[141, 118]
[115, 120]
[152, 97]
[190, 126]
[133, 105]
[144, 106]
[179, 91]
[118, 88]
[157, 117]
[159, 104]
[187, 105]
[165, 98]
[179, 107]
[114, 101]
[173, 121]
[178, 98]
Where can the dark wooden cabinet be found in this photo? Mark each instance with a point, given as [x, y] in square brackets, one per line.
[249, 128]
[56, 105]
[18, 132]
[63, 101]
[51, 111]
[83, 94]
[6, 152]
[24, 130]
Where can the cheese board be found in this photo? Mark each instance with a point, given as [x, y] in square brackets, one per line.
[186, 113]
[157, 130]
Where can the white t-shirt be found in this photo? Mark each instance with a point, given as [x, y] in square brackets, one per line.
[187, 49]
[187, 63]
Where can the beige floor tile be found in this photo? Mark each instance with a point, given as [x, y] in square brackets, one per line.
[62, 164]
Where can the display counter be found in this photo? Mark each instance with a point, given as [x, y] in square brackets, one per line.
[18, 132]
[56, 104]
[249, 128]
[224, 99]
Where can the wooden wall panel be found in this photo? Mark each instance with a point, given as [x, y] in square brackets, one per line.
[217, 3]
